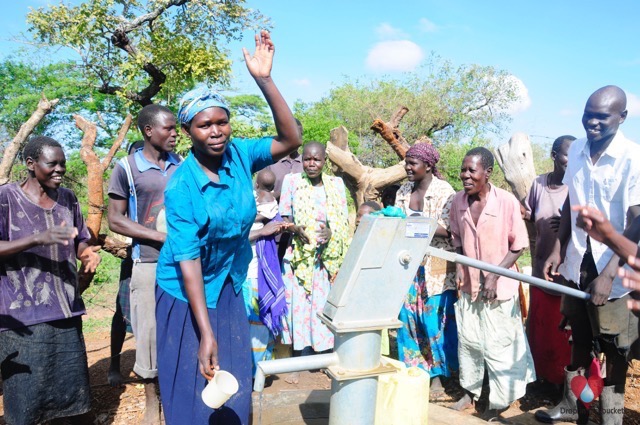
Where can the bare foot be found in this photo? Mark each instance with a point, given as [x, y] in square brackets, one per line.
[436, 390]
[466, 402]
[114, 377]
[152, 405]
[293, 378]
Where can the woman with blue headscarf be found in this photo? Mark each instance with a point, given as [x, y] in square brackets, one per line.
[201, 320]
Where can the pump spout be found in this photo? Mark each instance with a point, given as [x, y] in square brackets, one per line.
[292, 364]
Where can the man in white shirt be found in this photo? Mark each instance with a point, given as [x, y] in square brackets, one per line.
[603, 172]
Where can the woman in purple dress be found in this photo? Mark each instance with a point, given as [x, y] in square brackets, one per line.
[42, 235]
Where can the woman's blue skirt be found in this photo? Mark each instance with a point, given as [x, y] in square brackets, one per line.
[179, 377]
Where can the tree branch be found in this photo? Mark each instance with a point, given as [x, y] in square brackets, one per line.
[397, 117]
[128, 26]
[9, 156]
[144, 96]
[391, 134]
[438, 127]
[122, 133]
[363, 182]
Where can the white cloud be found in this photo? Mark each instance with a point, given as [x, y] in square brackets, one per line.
[387, 32]
[303, 82]
[524, 101]
[427, 26]
[633, 105]
[399, 55]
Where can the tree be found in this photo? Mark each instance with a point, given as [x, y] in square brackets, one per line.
[446, 104]
[24, 81]
[11, 151]
[137, 49]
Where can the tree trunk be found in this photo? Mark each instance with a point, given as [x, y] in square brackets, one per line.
[363, 182]
[11, 152]
[391, 134]
[95, 177]
[96, 169]
[516, 160]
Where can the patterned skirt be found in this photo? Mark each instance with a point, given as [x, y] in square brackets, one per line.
[428, 337]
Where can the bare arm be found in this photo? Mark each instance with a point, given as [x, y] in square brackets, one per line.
[564, 231]
[259, 66]
[297, 230]
[550, 267]
[271, 228]
[600, 287]
[58, 234]
[194, 287]
[120, 223]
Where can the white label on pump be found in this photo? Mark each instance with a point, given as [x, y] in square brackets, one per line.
[417, 229]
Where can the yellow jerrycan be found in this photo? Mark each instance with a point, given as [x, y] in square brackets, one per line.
[403, 396]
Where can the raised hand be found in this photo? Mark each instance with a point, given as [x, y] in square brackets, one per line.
[259, 65]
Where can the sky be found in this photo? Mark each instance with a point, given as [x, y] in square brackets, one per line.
[559, 51]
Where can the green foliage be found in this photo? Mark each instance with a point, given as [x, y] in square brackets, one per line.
[318, 120]
[108, 272]
[102, 292]
[76, 180]
[95, 324]
[182, 39]
[542, 157]
[451, 156]
[449, 104]
[22, 83]
[250, 116]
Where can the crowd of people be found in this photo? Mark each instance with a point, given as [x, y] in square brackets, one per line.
[236, 247]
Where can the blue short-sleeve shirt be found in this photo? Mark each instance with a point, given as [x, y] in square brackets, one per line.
[211, 221]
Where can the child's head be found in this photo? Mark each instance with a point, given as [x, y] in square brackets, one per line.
[366, 208]
[266, 180]
[389, 195]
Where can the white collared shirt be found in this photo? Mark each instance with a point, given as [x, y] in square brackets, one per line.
[612, 185]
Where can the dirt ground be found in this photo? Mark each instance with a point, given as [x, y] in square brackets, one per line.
[125, 405]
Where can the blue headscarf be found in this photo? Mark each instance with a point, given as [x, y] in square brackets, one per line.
[197, 100]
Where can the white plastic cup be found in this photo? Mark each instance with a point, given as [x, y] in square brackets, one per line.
[219, 389]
